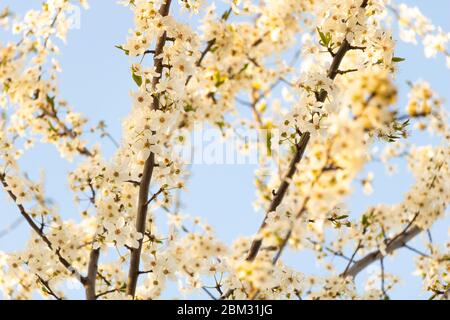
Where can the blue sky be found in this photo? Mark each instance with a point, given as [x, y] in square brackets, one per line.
[96, 81]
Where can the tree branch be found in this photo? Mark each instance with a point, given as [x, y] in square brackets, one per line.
[48, 288]
[332, 73]
[281, 192]
[321, 97]
[398, 242]
[337, 60]
[144, 187]
[209, 45]
[101, 294]
[92, 274]
[40, 233]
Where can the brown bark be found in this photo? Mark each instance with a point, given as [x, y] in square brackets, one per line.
[397, 243]
[144, 186]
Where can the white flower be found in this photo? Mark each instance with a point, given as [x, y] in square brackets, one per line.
[134, 46]
[142, 99]
[115, 232]
[434, 44]
[318, 126]
[120, 234]
[176, 219]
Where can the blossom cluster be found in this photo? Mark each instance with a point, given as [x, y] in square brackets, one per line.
[338, 102]
[414, 24]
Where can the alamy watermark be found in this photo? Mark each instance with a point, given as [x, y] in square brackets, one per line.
[214, 146]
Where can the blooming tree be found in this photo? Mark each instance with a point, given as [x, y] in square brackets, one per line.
[334, 63]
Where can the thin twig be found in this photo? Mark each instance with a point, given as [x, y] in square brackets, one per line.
[42, 235]
[398, 243]
[281, 192]
[383, 289]
[8, 229]
[48, 288]
[352, 257]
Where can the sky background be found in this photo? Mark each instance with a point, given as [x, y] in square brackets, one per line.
[96, 81]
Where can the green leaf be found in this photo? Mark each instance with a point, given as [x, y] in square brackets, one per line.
[51, 127]
[6, 86]
[220, 124]
[269, 143]
[398, 59]
[51, 101]
[406, 123]
[127, 52]
[218, 79]
[325, 39]
[189, 108]
[226, 14]
[45, 290]
[322, 36]
[137, 79]
[365, 220]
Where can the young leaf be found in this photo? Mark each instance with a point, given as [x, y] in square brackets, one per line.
[51, 101]
[269, 143]
[398, 59]
[325, 39]
[127, 52]
[137, 79]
